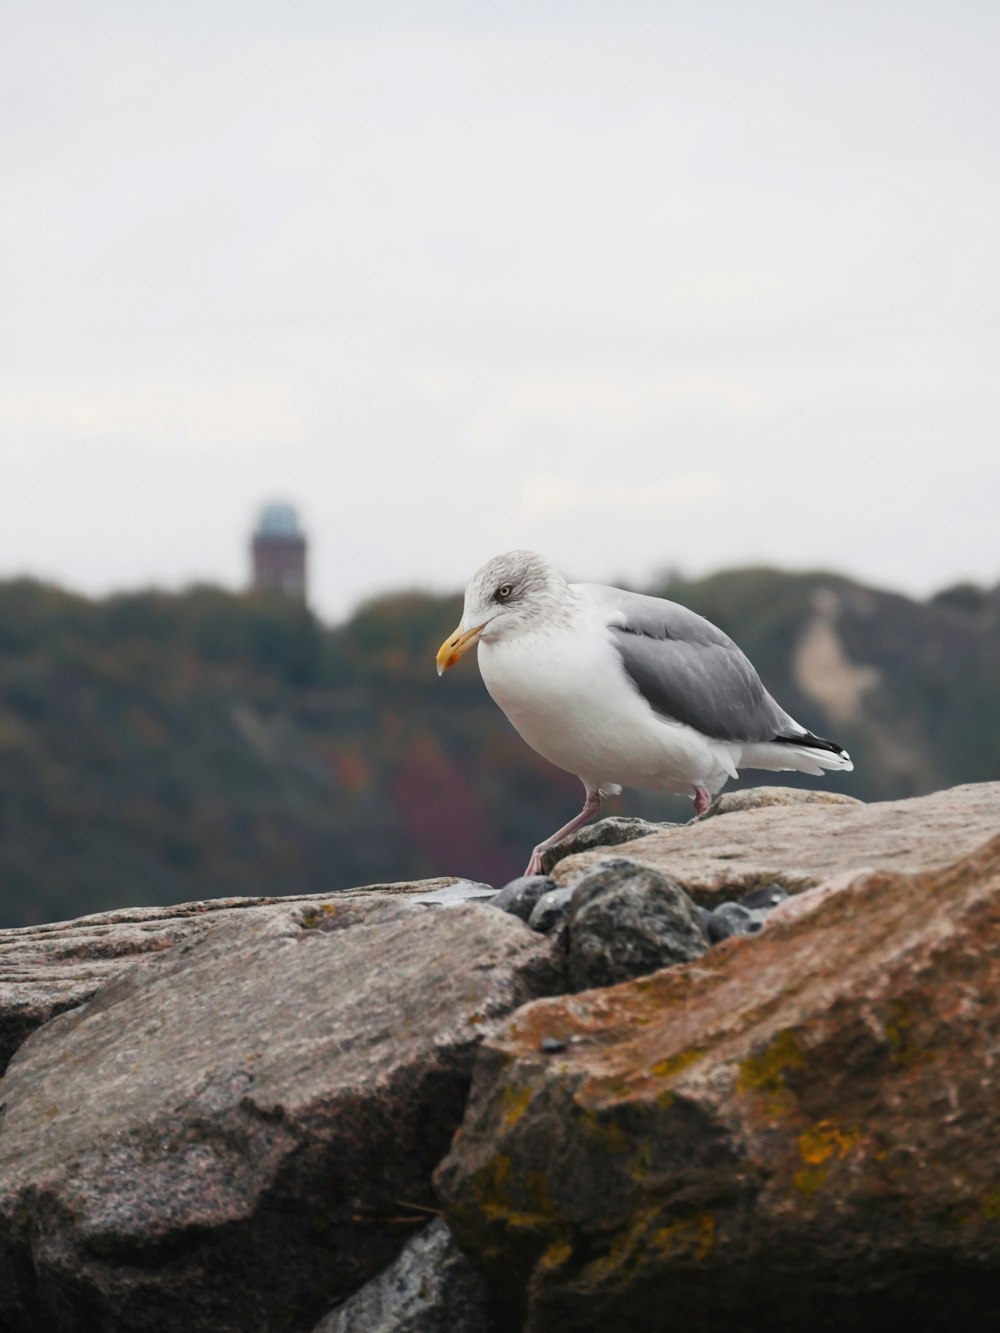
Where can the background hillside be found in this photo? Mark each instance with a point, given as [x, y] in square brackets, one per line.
[158, 748]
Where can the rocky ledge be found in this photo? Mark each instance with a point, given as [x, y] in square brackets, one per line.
[742, 1072]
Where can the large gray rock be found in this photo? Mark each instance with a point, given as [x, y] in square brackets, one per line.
[802, 845]
[796, 1132]
[45, 970]
[626, 921]
[430, 1288]
[225, 1136]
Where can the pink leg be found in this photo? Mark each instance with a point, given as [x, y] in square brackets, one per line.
[702, 800]
[593, 803]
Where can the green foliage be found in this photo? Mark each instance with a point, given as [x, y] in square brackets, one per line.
[159, 748]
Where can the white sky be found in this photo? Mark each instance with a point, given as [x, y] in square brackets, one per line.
[633, 284]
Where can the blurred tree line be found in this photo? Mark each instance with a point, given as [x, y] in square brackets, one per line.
[159, 748]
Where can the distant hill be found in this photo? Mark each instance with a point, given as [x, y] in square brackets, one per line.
[158, 748]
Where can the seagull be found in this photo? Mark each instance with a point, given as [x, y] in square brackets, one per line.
[623, 689]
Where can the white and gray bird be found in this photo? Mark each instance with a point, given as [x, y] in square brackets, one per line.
[623, 689]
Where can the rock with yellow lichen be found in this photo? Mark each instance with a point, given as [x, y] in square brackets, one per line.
[795, 1131]
[226, 1117]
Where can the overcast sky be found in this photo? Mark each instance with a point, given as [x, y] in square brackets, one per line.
[633, 284]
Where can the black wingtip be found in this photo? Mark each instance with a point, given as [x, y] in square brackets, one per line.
[811, 742]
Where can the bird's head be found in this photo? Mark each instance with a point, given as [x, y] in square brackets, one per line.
[512, 592]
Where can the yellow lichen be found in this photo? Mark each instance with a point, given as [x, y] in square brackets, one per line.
[674, 1064]
[988, 1209]
[809, 1179]
[555, 1254]
[818, 1146]
[689, 1237]
[515, 1102]
[624, 1252]
[315, 916]
[642, 1161]
[492, 1185]
[499, 1197]
[520, 1218]
[536, 1191]
[767, 1071]
[825, 1140]
[605, 1134]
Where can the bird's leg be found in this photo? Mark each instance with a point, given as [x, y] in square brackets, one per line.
[702, 800]
[593, 803]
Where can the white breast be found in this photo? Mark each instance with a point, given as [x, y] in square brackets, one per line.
[565, 691]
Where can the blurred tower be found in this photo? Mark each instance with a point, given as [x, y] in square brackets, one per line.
[279, 551]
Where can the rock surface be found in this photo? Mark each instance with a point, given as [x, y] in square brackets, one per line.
[626, 921]
[616, 829]
[225, 1136]
[449, 895]
[430, 1288]
[760, 798]
[604, 833]
[234, 1125]
[801, 845]
[796, 1131]
[45, 970]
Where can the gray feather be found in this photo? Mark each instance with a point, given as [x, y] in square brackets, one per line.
[687, 669]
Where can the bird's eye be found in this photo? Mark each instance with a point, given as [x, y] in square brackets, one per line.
[504, 591]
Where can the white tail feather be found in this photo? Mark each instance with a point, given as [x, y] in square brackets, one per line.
[784, 758]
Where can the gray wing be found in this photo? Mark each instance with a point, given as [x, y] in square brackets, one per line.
[687, 669]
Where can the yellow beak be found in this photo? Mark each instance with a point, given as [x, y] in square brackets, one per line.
[457, 646]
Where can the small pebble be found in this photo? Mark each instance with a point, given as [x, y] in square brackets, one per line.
[551, 1045]
[746, 917]
[520, 895]
[550, 909]
[764, 899]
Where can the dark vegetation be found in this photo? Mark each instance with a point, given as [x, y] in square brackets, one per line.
[158, 748]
